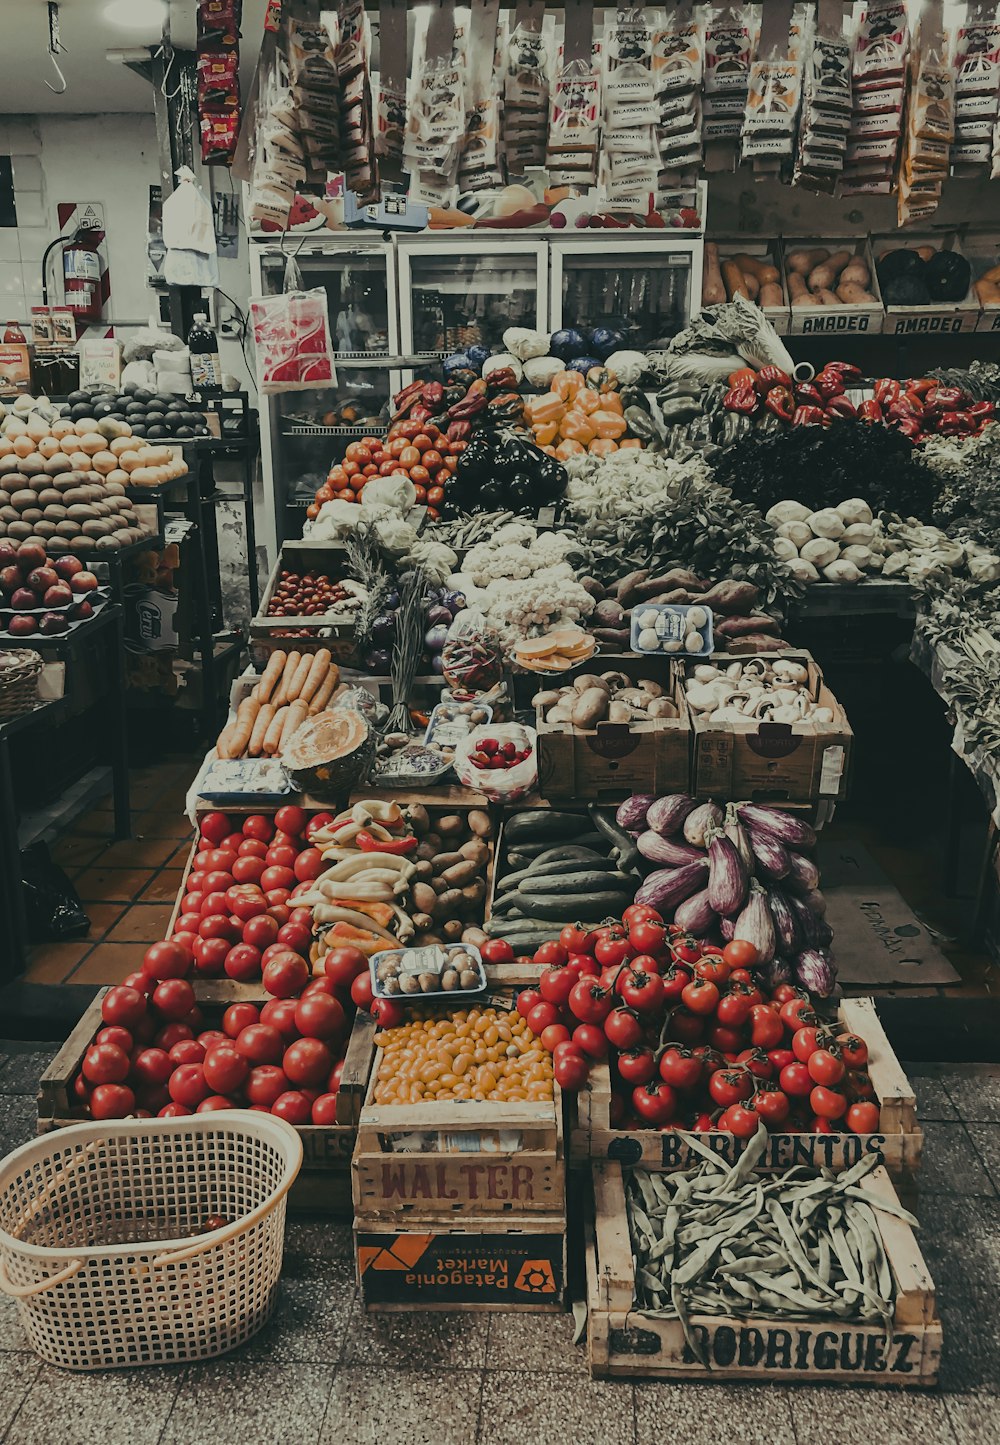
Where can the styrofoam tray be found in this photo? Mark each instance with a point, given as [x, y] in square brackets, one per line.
[673, 626]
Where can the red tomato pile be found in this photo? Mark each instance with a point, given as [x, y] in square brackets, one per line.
[155, 1056]
[239, 911]
[419, 450]
[693, 1040]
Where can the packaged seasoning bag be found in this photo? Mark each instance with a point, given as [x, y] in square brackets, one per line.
[930, 125]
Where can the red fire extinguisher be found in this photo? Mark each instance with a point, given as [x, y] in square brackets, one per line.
[82, 275]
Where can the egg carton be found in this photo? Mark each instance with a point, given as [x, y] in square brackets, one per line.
[668, 627]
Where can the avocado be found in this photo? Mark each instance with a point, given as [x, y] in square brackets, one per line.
[103, 408]
[80, 409]
[135, 408]
[141, 394]
[130, 389]
[138, 429]
[155, 416]
[155, 433]
[184, 433]
[162, 400]
[75, 397]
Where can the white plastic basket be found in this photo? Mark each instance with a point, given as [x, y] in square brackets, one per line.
[100, 1236]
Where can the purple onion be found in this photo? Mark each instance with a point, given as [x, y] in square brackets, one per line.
[437, 663]
[377, 659]
[435, 638]
[439, 615]
[383, 628]
[454, 601]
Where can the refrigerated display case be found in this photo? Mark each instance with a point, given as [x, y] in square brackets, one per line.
[648, 289]
[465, 290]
[304, 432]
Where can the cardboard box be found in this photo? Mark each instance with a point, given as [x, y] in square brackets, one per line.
[835, 320]
[616, 759]
[943, 318]
[796, 762]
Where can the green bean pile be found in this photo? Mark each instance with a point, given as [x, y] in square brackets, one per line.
[720, 1240]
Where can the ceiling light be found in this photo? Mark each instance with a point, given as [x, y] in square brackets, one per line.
[136, 14]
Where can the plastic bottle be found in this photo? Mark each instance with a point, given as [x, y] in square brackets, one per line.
[206, 368]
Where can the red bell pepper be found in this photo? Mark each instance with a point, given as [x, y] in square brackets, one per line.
[808, 395]
[845, 369]
[841, 406]
[924, 386]
[781, 402]
[770, 376]
[742, 399]
[909, 426]
[829, 384]
[887, 390]
[955, 424]
[870, 411]
[397, 846]
[809, 416]
[983, 411]
[904, 405]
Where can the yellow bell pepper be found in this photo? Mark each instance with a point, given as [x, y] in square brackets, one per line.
[602, 447]
[607, 424]
[569, 449]
[631, 444]
[545, 433]
[576, 427]
[566, 383]
[600, 379]
[546, 408]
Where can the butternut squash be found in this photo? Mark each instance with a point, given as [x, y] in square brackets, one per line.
[988, 291]
[756, 266]
[798, 291]
[824, 276]
[802, 262]
[734, 279]
[713, 290]
[770, 294]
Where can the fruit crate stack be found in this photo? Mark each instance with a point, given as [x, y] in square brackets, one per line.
[460, 1204]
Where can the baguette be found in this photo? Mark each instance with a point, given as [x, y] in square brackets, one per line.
[292, 660]
[269, 680]
[225, 737]
[256, 744]
[272, 737]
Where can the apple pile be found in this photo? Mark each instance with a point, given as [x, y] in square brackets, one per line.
[154, 1055]
[42, 596]
[239, 909]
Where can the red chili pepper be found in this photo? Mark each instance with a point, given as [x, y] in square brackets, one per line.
[781, 402]
[397, 846]
[870, 411]
[809, 416]
[770, 376]
[829, 384]
[742, 399]
[808, 395]
[887, 390]
[841, 406]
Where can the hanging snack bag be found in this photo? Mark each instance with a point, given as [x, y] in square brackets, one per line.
[877, 72]
[826, 102]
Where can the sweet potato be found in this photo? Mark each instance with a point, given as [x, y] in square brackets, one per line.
[676, 577]
[625, 591]
[745, 626]
[613, 636]
[731, 598]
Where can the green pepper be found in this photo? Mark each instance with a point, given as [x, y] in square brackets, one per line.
[640, 423]
[679, 409]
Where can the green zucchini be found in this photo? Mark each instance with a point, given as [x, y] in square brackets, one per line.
[596, 905]
[555, 866]
[573, 884]
[542, 823]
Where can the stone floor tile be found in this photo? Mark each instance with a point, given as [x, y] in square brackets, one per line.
[933, 1099]
[976, 1095]
[236, 1402]
[548, 1408]
[64, 1408]
[534, 1342]
[423, 1340]
[17, 1375]
[21, 1072]
[892, 1417]
[309, 1322]
[18, 1116]
[54, 962]
[713, 1414]
[311, 1243]
[949, 1163]
[986, 1142]
[973, 1419]
[403, 1407]
[12, 1336]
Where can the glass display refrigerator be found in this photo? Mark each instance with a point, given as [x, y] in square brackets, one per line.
[466, 288]
[647, 287]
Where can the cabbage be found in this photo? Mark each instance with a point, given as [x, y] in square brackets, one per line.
[628, 366]
[567, 343]
[540, 371]
[524, 343]
[605, 339]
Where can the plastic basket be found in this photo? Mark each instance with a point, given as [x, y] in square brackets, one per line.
[100, 1236]
[20, 669]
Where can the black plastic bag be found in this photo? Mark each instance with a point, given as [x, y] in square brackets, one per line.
[51, 903]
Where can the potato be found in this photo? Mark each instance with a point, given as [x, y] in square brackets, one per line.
[590, 707]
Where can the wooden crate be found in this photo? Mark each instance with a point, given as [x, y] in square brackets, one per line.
[323, 1185]
[491, 1262]
[775, 761]
[943, 318]
[898, 1145]
[770, 251]
[625, 1341]
[334, 630]
[614, 760]
[458, 1157]
[844, 320]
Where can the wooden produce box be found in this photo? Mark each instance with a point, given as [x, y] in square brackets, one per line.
[735, 245]
[940, 318]
[458, 1157]
[839, 320]
[323, 1184]
[623, 1341]
[898, 1145]
[614, 760]
[490, 1262]
[796, 762]
[983, 254]
[332, 630]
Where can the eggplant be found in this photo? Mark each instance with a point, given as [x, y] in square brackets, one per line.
[699, 821]
[737, 835]
[755, 924]
[727, 877]
[814, 931]
[771, 858]
[727, 927]
[779, 970]
[696, 914]
[815, 971]
[803, 871]
[667, 887]
[784, 826]
[631, 814]
[666, 815]
[667, 851]
[815, 900]
[786, 930]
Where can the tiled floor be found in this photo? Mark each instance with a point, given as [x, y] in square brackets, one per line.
[323, 1372]
[127, 888]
